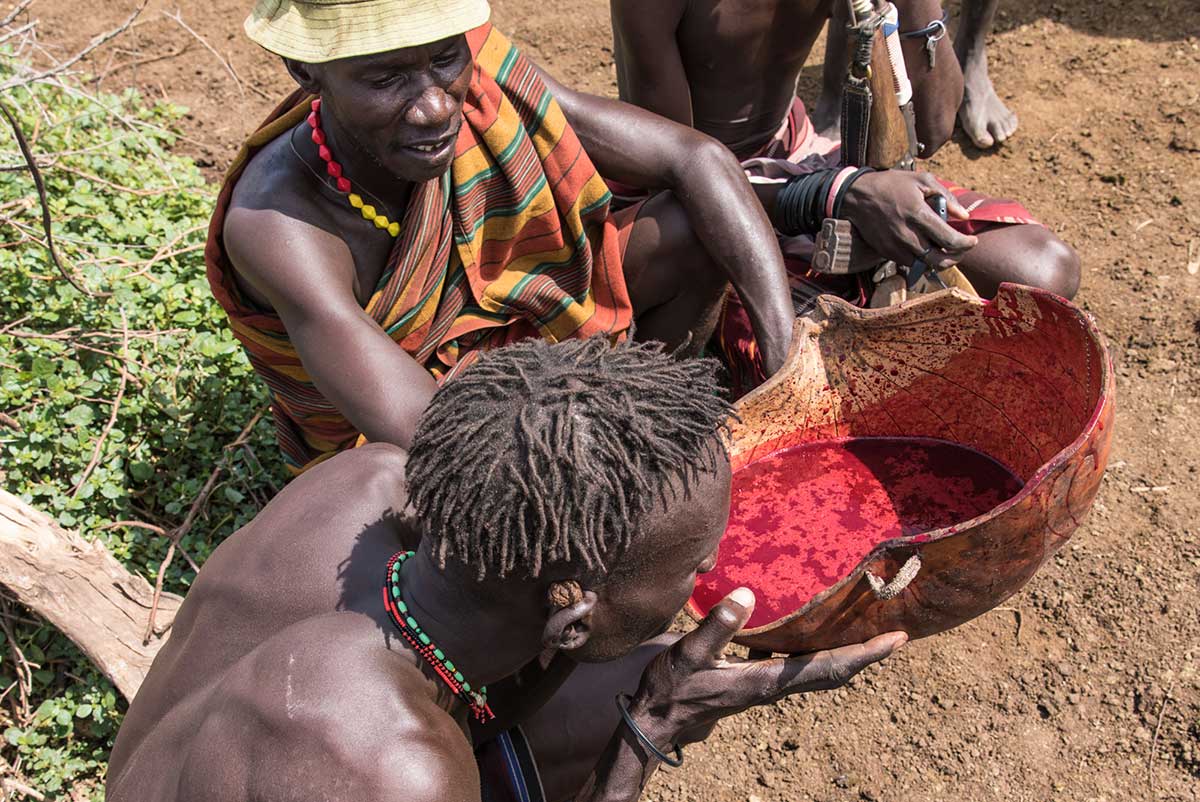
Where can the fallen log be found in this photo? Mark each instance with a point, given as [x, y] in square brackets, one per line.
[80, 588]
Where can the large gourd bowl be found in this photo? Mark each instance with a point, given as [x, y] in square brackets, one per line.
[1024, 378]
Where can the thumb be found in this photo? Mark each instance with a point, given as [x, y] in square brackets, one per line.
[931, 186]
[953, 207]
[706, 643]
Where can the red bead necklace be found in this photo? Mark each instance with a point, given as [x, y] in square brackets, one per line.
[334, 169]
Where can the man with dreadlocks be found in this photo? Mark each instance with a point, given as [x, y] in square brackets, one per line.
[330, 663]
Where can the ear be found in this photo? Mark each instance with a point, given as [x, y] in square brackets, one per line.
[569, 624]
[307, 75]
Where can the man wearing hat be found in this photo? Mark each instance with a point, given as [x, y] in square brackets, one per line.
[428, 187]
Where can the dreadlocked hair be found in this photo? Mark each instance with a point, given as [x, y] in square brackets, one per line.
[545, 453]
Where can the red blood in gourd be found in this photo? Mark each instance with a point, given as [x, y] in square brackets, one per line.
[803, 518]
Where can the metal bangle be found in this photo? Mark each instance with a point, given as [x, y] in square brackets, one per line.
[623, 700]
[929, 31]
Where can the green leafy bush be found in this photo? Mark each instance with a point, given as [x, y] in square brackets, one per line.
[130, 219]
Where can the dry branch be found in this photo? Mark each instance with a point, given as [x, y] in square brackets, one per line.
[116, 408]
[63, 66]
[140, 62]
[26, 28]
[16, 12]
[188, 521]
[31, 163]
[177, 18]
[80, 588]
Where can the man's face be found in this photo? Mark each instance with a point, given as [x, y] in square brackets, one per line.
[403, 107]
[657, 574]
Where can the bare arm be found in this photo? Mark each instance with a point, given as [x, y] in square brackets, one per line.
[650, 70]
[307, 274]
[635, 147]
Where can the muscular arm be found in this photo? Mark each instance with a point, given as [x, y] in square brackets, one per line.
[650, 70]
[307, 275]
[635, 147]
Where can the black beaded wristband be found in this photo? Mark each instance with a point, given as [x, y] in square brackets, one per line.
[623, 700]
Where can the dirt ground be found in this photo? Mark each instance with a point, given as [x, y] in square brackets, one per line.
[1085, 686]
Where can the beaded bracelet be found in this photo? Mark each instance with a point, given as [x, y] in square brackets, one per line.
[623, 700]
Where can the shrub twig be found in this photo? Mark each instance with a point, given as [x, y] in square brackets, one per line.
[1162, 709]
[21, 713]
[141, 62]
[177, 18]
[16, 12]
[31, 163]
[116, 408]
[62, 66]
[190, 519]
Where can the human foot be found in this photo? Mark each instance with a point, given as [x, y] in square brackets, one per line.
[985, 118]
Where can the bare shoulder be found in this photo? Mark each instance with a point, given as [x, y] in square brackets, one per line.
[328, 508]
[335, 715]
[371, 468]
[276, 228]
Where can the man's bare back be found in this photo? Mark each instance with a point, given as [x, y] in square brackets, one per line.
[288, 676]
[273, 687]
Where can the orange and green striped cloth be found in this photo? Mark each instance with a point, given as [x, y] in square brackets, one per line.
[516, 240]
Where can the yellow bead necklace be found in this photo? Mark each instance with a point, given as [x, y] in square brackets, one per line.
[334, 169]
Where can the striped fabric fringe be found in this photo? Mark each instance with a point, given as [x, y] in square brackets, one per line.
[514, 241]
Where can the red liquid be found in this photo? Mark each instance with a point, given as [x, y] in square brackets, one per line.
[803, 518]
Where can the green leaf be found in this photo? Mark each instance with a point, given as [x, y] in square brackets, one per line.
[80, 415]
[234, 495]
[42, 367]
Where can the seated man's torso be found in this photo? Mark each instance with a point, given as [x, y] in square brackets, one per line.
[742, 58]
[283, 647]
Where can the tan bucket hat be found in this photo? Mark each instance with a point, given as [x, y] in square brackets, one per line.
[314, 31]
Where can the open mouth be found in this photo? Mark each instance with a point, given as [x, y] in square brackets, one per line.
[433, 151]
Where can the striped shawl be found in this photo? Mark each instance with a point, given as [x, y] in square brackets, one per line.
[514, 241]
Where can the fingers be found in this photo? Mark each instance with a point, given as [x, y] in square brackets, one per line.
[706, 643]
[942, 237]
[832, 668]
[930, 186]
